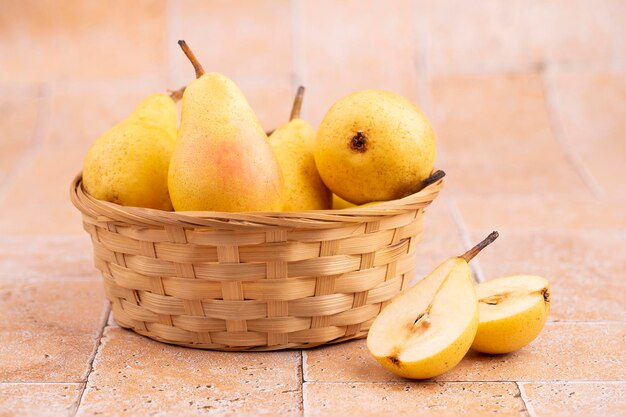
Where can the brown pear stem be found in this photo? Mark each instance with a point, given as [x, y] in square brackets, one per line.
[482, 245]
[297, 104]
[176, 95]
[194, 61]
[433, 178]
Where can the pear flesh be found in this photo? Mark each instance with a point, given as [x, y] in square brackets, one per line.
[428, 329]
[512, 311]
[128, 164]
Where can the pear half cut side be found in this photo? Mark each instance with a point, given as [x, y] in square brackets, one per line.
[428, 329]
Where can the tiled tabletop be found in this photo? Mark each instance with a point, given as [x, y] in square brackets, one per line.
[528, 100]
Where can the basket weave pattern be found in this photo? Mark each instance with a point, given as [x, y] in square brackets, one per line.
[253, 281]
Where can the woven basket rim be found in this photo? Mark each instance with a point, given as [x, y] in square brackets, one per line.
[312, 219]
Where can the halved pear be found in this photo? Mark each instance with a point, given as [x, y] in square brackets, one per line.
[511, 312]
[428, 328]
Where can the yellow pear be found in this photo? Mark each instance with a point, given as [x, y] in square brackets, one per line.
[374, 145]
[427, 329]
[340, 204]
[511, 312]
[222, 160]
[293, 145]
[128, 164]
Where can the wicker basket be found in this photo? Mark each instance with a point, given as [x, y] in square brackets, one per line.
[253, 281]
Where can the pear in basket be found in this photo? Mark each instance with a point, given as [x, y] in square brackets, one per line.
[222, 160]
[374, 145]
[128, 164]
[293, 145]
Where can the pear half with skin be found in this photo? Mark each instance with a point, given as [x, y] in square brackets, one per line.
[428, 328]
[511, 312]
[293, 144]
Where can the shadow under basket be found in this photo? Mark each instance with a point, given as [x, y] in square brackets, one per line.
[253, 281]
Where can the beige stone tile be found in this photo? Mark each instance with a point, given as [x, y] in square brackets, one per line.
[79, 114]
[344, 362]
[44, 400]
[495, 134]
[497, 36]
[33, 218]
[412, 398]
[49, 328]
[523, 214]
[249, 39]
[71, 306]
[53, 256]
[592, 110]
[144, 377]
[563, 351]
[18, 123]
[583, 268]
[355, 47]
[38, 201]
[440, 238]
[42, 356]
[60, 40]
[564, 399]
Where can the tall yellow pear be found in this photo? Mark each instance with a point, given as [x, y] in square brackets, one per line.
[222, 161]
[293, 145]
[129, 163]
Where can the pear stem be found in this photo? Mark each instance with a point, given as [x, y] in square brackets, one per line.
[176, 95]
[297, 104]
[194, 61]
[433, 178]
[482, 245]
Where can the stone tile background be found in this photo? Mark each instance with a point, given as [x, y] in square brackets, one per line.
[528, 100]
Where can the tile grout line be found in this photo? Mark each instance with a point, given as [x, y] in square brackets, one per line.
[302, 380]
[41, 126]
[173, 31]
[556, 123]
[421, 64]
[463, 230]
[297, 56]
[41, 383]
[304, 358]
[297, 79]
[438, 382]
[92, 358]
[529, 407]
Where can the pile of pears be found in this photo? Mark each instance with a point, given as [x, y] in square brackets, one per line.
[371, 146]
